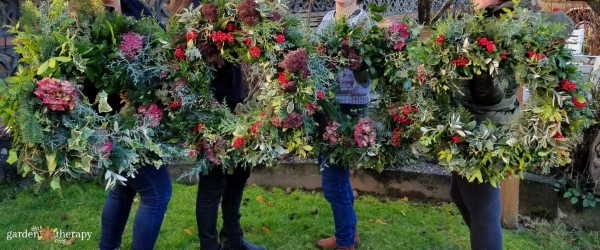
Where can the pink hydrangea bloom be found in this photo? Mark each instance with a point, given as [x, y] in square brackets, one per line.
[107, 148]
[57, 94]
[364, 133]
[331, 134]
[132, 44]
[153, 112]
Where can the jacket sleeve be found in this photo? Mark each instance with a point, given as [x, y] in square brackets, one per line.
[484, 91]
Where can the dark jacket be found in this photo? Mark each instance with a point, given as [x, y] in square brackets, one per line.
[228, 85]
[486, 100]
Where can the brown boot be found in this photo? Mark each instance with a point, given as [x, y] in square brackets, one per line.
[329, 243]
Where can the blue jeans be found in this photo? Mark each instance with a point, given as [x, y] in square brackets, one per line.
[338, 192]
[479, 205]
[154, 187]
[217, 188]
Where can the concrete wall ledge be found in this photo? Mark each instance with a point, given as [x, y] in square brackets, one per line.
[420, 181]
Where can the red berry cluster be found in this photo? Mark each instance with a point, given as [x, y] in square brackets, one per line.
[504, 55]
[229, 26]
[282, 79]
[280, 38]
[254, 128]
[175, 104]
[456, 139]
[397, 136]
[192, 35]
[254, 52]
[460, 61]
[440, 39]
[567, 85]
[403, 118]
[533, 54]
[577, 103]
[320, 94]
[221, 37]
[488, 44]
[198, 128]
[180, 54]
[248, 41]
[558, 135]
[238, 142]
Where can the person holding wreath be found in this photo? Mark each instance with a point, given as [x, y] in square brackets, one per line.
[479, 203]
[152, 184]
[353, 95]
[218, 188]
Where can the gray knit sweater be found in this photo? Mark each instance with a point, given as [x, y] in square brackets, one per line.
[350, 91]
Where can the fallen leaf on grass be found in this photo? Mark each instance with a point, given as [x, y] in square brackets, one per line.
[266, 229]
[270, 203]
[378, 221]
[260, 198]
[69, 241]
[188, 231]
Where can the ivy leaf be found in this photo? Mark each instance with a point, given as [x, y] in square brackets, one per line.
[102, 99]
[55, 183]
[476, 175]
[51, 161]
[12, 157]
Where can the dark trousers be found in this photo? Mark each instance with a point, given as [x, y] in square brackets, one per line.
[480, 207]
[154, 187]
[226, 189]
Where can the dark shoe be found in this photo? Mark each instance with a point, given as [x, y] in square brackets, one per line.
[250, 246]
[345, 248]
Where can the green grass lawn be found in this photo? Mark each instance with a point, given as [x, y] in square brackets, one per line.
[281, 221]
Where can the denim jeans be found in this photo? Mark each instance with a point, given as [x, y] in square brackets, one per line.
[154, 187]
[216, 188]
[338, 192]
[479, 205]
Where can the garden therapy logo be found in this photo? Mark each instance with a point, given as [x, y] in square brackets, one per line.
[49, 234]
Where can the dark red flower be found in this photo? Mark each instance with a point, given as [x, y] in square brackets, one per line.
[504, 55]
[295, 61]
[210, 12]
[248, 41]
[229, 26]
[248, 12]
